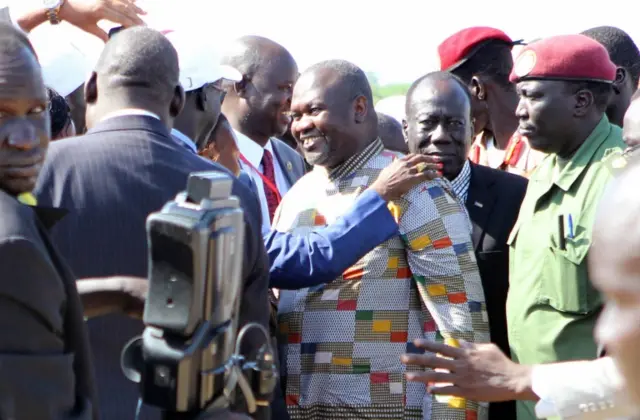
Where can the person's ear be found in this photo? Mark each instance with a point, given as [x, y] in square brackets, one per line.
[584, 99]
[240, 88]
[478, 89]
[621, 79]
[91, 89]
[405, 130]
[177, 102]
[361, 109]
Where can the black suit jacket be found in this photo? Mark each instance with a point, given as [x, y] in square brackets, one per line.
[45, 363]
[493, 203]
[110, 180]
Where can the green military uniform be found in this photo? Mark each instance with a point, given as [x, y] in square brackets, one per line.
[552, 306]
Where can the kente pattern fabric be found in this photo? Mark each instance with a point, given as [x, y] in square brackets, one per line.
[341, 342]
[270, 174]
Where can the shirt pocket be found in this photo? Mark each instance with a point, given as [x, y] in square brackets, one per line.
[565, 284]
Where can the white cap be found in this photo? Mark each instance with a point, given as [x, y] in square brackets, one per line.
[199, 60]
[392, 106]
[65, 66]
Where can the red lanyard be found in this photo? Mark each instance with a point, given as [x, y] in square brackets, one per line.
[267, 182]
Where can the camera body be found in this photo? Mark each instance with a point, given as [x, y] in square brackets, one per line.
[195, 264]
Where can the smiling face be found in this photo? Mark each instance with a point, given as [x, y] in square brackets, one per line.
[24, 120]
[325, 122]
[439, 123]
[269, 95]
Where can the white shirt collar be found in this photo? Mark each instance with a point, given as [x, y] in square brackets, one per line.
[251, 150]
[185, 139]
[130, 111]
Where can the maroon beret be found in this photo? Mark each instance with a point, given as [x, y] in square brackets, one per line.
[564, 57]
[457, 49]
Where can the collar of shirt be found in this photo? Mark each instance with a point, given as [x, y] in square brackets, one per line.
[356, 161]
[251, 150]
[460, 184]
[179, 135]
[130, 111]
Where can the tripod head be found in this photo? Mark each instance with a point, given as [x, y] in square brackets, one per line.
[187, 360]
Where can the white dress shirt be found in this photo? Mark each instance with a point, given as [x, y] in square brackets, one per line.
[128, 112]
[253, 152]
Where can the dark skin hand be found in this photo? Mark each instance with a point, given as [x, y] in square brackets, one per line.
[479, 372]
[124, 294]
[85, 14]
[401, 175]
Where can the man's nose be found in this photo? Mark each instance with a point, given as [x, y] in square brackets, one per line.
[521, 110]
[21, 135]
[440, 135]
[301, 126]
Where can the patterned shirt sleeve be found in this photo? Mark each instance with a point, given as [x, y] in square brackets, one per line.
[437, 232]
[436, 229]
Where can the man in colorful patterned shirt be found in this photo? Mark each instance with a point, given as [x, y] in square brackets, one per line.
[341, 341]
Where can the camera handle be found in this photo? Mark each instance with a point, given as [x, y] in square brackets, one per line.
[257, 391]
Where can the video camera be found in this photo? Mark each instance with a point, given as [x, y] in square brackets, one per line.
[187, 360]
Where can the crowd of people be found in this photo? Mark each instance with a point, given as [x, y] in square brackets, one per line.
[475, 259]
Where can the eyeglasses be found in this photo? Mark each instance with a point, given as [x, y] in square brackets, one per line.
[216, 87]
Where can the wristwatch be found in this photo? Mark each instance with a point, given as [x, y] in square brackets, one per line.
[53, 10]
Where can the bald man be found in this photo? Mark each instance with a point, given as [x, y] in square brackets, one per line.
[124, 168]
[341, 361]
[258, 110]
[584, 390]
[439, 124]
[390, 132]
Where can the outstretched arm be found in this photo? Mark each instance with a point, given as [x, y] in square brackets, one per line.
[303, 261]
[84, 14]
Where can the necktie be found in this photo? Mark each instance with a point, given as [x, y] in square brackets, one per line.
[269, 173]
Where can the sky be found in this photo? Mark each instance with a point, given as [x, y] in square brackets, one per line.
[395, 39]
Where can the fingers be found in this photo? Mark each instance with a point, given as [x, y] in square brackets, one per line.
[448, 390]
[122, 12]
[416, 158]
[95, 30]
[430, 377]
[443, 349]
[428, 360]
[137, 10]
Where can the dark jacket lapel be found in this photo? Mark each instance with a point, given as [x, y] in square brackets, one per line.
[76, 336]
[480, 201]
[49, 216]
[284, 162]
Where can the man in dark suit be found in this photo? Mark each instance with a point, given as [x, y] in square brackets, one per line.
[258, 110]
[45, 368]
[439, 124]
[125, 167]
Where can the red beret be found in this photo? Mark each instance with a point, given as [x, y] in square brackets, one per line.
[457, 49]
[564, 57]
